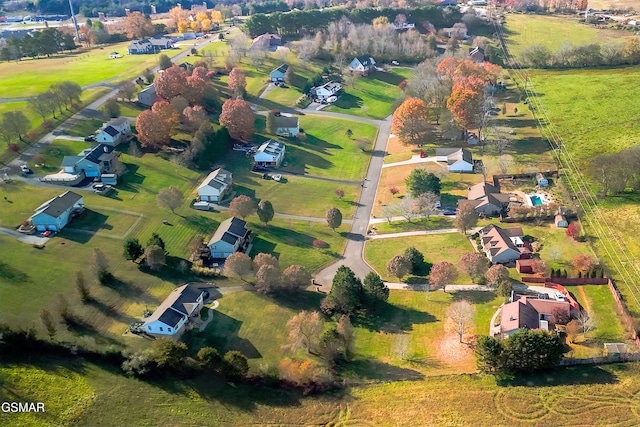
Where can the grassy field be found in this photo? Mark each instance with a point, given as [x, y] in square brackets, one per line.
[435, 248]
[84, 393]
[558, 249]
[30, 77]
[373, 96]
[524, 30]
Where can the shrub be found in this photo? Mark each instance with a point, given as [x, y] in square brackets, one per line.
[32, 134]
[14, 147]
[303, 101]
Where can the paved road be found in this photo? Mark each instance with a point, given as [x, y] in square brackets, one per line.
[90, 111]
[353, 255]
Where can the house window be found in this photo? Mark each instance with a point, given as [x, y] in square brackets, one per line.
[169, 329]
[161, 329]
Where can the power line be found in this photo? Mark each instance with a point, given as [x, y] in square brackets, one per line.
[610, 241]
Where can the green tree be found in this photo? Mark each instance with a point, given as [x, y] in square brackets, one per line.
[164, 62]
[489, 357]
[168, 353]
[334, 218]
[15, 123]
[265, 211]
[208, 357]
[374, 288]
[111, 108]
[235, 365]
[132, 249]
[415, 257]
[271, 123]
[528, 351]
[345, 295]
[155, 239]
[420, 182]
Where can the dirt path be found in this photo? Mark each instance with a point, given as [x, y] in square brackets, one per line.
[587, 306]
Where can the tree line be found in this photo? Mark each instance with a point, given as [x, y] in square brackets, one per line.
[589, 55]
[617, 172]
[41, 43]
[311, 21]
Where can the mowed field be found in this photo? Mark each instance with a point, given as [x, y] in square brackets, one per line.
[83, 393]
[524, 30]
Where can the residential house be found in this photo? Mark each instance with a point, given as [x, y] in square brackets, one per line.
[561, 221]
[114, 131]
[231, 236]
[486, 199]
[458, 31]
[91, 162]
[457, 159]
[503, 245]
[287, 126]
[541, 180]
[530, 313]
[215, 186]
[363, 64]
[269, 154]
[445, 3]
[151, 45]
[277, 75]
[147, 96]
[175, 312]
[404, 26]
[476, 54]
[266, 42]
[322, 93]
[56, 213]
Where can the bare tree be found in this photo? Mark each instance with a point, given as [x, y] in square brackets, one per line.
[238, 264]
[425, 204]
[239, 43]
[257, 58]
[304, 331]
[499, 138]
[505, 162]
[171, 198]
[586, 321]
[461, 316]
[400, 345]
[390, 211]
[407, 208]
[349, 77]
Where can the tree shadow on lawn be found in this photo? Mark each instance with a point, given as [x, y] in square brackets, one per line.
[532, 145]
[475, 297]
[110, 311]
[347, 101]
[124, 289]
[375, 370]
[263, 246]
[286, 236]
[222, 334]
[387, 77]
[392, 319]
[300, 160]
[170, 272]
[314, 143]
[130, 178]
[562, 376]
[297, 301]
[202, 223]
[12, 274]
[82, 328]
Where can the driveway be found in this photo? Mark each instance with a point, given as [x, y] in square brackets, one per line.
[24, 238]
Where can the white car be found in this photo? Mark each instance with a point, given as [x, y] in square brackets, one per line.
[332, 99]
[277, 177]
[395, 63]
[559, 296]
[25, 169]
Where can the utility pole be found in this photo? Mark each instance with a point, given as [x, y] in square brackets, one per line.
[74, 22]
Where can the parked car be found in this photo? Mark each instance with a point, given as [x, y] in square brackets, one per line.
[90, 138]
[277, 177]
[47, 233]
[438, 204]
[448, 211]
[25, 169]
[395, 63]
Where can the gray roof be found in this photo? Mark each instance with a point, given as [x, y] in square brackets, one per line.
[97, 152]
[454, 155]
[283, 68]
[118, 121]
[366, 60]
[71, 160]
[234, 227]
[286, 122]
[60, 204]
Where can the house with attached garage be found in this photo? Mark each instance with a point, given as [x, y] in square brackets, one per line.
[363, 64]
[215, 186]
[231, 236]
[92, 161]
[530, 313]
[327, 90]
[56, 213]
[148, 96]
[269, 154]
[486, 199]
[172, 316]
[503, 245]
[277, 75]
[266, 42]
[287, 126]
[457, 159]
[151, 45]
[114, 131]
[476, 54]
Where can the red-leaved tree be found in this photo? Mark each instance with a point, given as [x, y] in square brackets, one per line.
[194, 117]
[237, 117]
[168, 114]
[573, 230]
[442, 274]
[583, 263]
[237, 80]
[152, 132]
[171, 83]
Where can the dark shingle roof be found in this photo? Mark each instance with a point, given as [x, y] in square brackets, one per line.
[283, 68]
[61, 204]
[97, 152]
[111, 131]
[173, 309]
[233, 227]
[229, 238]
[170, 317]
[365, 60]
[238, 227]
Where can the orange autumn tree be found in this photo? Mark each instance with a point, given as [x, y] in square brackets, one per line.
[237, 117]
[466, 102]
[168, 114]
[410, 120]
[152, 133]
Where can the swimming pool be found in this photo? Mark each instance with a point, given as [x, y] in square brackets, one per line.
[535, 200]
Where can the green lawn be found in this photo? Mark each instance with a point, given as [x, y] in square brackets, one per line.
[558, 249]
[30, 77]
[435, 248]
[433, 223]
[524, 30]
[373, 96]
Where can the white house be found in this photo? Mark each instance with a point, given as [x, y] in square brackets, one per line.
[151, 45]
[502, 245]
[403, 26]
[215, 186]
[277, 75]
[114, 131]
[169, 319]
[362, 64]
[56, 213]
[287, 126]
[457, 159]
[325, 91]
[231, 236]
[269, 154]
[147, 96]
